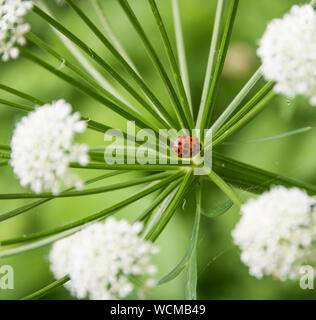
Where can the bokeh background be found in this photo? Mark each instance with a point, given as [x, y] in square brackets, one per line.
[221, 274]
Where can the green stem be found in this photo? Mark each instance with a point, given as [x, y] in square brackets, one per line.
[253, 179]
[225, 188]
[191, 270]
[93, 55]
[181, 51]
[92, 218]
[142, 167]
[105, 24]
[25, 208]
[134, 21]
[173, 62]
[159, 226]
[211, 59]
[22, 95]
[157, 201]
[243, 121]
[237, 101]
[127, 114]
[52, 286]
[92, 191]
[212, 92]
[129, 69]
[245, 109]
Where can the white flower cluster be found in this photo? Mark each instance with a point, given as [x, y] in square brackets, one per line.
[100, 259]
[276, 233]
[12, 26]
[42, 148]
[288, 53]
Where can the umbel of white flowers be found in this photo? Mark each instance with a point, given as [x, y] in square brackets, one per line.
[12, 27]
[101, 258]
[287, 50]
[43, 145]
[276, 233]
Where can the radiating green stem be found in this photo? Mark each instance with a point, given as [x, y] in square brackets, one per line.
[253, 179]
[173, 62]
[237, 101]
[181, 51]
[156, 230]
[85, 63]
[22, 95]
[52, 286]
[212, 92]
[37, 203]
[246, 118]
[105, 24]
[92, 218]
[134, 21]
[15, 105]
[211, 60]
[142, 167]
[93, 55]
[82, 74]
[129, 69]
[144, 215]
[127, 114]
[191, 270]
[92, 191]
[245, 109]
[225, 188]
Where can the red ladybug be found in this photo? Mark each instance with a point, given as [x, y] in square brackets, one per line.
[186, 146]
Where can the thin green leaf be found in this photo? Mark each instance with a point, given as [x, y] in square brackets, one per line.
[52, 286]
[225, 188]
[155, 102]
[150, 49]
[261, 94]
[280, 136]
[35, 204]
[86, 64]
[181, 51]
[15, 105]
[237, 100]
[219, 210]
[246, 118]
[92, 218]
[21, 95]
[212, 92]
[91, 191]
[93, 55]
[253, 179]
[188, 254]
[127, 114]
[142, 167]
[108, 29]
[144, 215]
[173, 62]
[211, 60]
[159, 226]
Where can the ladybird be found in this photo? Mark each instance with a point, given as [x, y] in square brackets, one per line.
[186, 146]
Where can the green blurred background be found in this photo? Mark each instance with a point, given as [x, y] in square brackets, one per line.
[221, 274]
